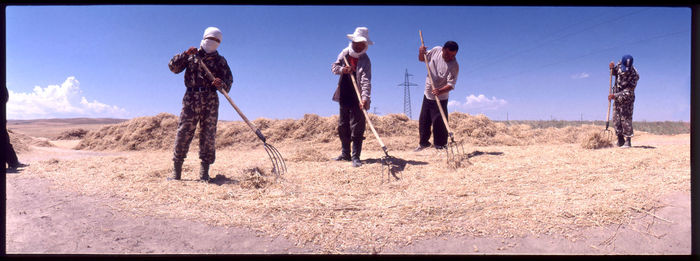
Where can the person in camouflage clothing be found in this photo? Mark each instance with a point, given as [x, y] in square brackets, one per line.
[201, 101]
[626, 78]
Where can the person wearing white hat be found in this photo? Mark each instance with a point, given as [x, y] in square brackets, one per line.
[351, 121]
[200, 103]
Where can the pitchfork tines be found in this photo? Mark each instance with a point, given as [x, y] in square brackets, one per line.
[279, 167]
[455, 153]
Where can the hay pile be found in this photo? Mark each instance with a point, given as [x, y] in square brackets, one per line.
[72, 134]
[596, 141]
[22, 142]
[396, 130]
[143, 133]
[480, 130]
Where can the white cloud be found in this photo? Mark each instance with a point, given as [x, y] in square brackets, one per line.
[478, 102]
[57, 101]
[582, 75]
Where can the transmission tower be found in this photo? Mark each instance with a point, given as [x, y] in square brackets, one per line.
[407, 94]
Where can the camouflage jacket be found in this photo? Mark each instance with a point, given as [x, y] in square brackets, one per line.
[625, 83]
[195, 76]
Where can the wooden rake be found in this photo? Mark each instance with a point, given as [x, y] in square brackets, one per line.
[606, 133]
[454, 150]
[389, 164]
[279, 167]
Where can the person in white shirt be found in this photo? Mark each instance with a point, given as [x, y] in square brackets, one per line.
[444, 70]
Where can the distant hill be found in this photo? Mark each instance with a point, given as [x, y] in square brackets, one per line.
[51, 128]
[68, 121]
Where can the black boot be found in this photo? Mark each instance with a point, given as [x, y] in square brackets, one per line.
[204, 172]
[628, 143]
[344, 152]
[177, 171]
[620, 140]
[356, 151]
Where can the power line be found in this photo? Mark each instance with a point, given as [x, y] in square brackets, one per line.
[407, 94]
[542, 43]
[591, 53]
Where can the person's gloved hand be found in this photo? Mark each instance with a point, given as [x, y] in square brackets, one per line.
[218, 83]
[191, 51]
[612, 65]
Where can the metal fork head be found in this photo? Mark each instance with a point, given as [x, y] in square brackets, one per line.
[607, 135]
[279, 167]
[391, 166]
[456, 157]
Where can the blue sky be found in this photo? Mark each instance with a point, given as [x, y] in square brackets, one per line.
[524, 63]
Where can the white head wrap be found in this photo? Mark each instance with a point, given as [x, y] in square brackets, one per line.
[209, 45]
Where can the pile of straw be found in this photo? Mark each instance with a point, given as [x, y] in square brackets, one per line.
[158, 132]
[72, 134]
[23, 143]
[596, 141]
[143, 133]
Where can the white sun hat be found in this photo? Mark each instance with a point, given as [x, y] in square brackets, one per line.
[361, 34]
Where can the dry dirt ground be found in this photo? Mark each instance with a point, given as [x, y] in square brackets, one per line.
[45, 217]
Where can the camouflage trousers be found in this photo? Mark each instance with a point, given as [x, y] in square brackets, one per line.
[622, 117]
[203, 108]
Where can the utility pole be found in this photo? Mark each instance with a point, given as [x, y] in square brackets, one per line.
[407, 94]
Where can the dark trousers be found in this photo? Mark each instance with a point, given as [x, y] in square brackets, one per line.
[7, 152]
[430, 117]
[351, 126]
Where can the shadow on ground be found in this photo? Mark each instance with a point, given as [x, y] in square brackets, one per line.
[479, 153]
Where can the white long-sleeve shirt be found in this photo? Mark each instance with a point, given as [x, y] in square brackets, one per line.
[443, 73]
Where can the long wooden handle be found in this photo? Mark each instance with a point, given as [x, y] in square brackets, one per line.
[359, 97]
[432, 86]
[607, 118]
[240, 113]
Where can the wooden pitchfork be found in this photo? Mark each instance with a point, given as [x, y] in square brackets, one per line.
[455, 151]
[278, 165]
[389, 163]
[606, 133]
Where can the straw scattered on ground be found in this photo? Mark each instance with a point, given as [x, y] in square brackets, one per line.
[507, 191]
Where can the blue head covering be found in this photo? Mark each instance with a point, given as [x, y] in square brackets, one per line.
[626, 62]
